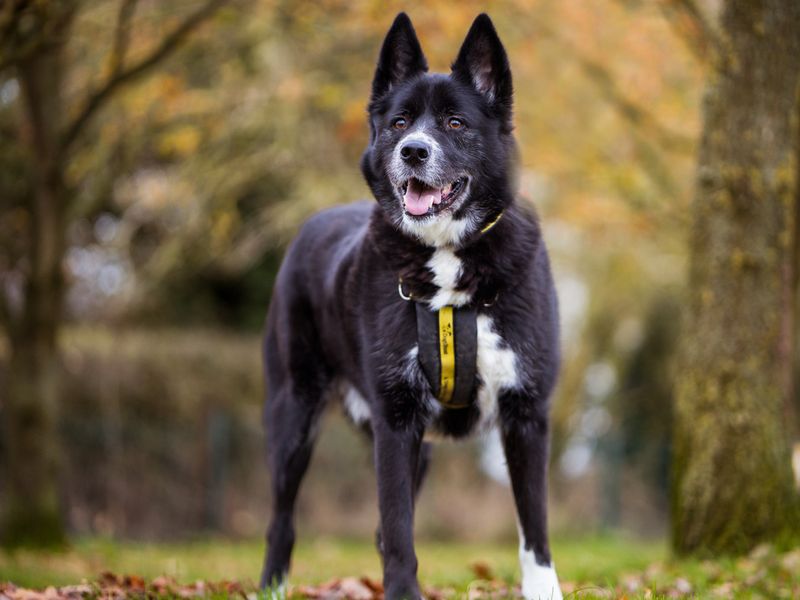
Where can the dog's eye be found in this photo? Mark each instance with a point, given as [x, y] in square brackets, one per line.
[455, 123]
[400, 123]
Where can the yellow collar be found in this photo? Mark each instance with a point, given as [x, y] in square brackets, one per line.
[492, 223]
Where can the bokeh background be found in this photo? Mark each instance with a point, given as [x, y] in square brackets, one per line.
[189, 181]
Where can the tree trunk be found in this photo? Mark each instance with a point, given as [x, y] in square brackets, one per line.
[32, 507]
[733, 485]
[794, 396]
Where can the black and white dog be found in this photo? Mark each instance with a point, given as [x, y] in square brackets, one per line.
[440, 162]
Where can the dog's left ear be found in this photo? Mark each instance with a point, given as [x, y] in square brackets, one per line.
[482, 63]
[401, 57]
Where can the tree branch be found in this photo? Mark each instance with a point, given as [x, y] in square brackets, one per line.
[116, 80]
[648, 133]
[693, 26]
[631, 112]
[635, 114]
[691, 8]
[122, 36]
[49, 23]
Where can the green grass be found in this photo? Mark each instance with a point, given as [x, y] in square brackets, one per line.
[610, 566]
[595, 559]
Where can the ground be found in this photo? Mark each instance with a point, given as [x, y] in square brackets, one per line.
[590, 567]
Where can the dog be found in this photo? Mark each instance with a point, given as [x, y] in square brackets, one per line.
[372, 298]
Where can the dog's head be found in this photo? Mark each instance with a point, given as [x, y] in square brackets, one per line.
[441, 153]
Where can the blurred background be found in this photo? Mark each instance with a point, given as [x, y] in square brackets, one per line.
[185, 180]
[189, 184]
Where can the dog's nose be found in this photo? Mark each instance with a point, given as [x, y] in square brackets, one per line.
[415, 152]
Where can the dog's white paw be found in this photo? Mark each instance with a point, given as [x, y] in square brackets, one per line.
[538, 582]
[274, 592]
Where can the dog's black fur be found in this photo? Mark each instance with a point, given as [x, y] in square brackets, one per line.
[336, 315]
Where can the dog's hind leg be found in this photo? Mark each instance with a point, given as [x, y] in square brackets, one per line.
[295, 399]
[290, 445]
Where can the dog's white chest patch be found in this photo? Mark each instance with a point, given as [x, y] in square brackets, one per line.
[446, 268]
[497, 367]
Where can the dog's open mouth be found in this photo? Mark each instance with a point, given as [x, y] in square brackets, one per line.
[421, 199]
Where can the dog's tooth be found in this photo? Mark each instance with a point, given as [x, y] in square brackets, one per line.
[430, 197]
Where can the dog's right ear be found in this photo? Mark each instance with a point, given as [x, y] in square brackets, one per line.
[401, 57]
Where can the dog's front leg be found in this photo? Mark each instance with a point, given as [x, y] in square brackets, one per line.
[396, 457]
[525, 435]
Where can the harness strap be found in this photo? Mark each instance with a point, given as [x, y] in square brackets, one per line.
[448, 346]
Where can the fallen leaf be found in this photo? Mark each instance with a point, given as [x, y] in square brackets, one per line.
[354, 589]
[375, 586]
[481, 570]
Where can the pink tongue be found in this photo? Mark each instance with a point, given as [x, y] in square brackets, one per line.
[419, 198]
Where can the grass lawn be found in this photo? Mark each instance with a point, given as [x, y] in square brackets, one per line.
[610, 566]
[588, 559]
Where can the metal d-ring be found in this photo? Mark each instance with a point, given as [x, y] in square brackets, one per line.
[492, 301]
[400, 291]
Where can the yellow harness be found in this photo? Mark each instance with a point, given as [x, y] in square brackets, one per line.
[448, 344]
